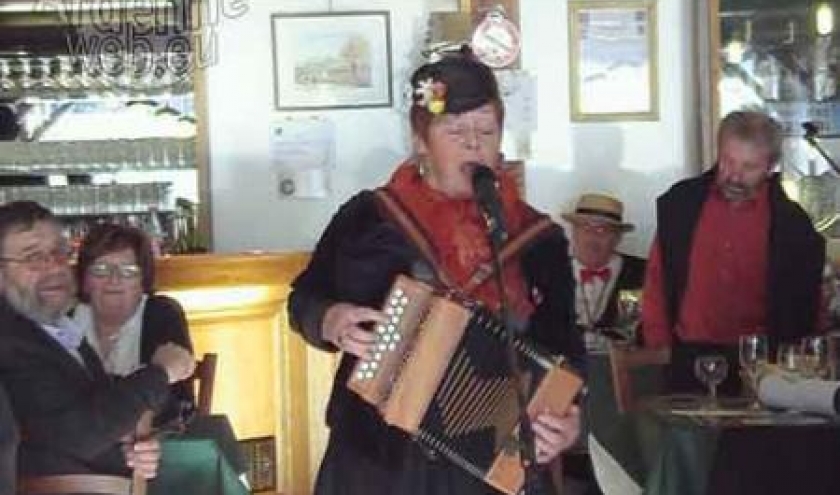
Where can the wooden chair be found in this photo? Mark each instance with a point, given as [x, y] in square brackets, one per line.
[623, 360]
[68, 484]
[205, 375]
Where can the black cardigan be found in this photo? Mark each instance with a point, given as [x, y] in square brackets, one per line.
[356, 261]
[796, 256]
[164, 321]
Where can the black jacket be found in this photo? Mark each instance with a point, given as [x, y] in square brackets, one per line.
[796, 257]
[356, 261]
[71, 417]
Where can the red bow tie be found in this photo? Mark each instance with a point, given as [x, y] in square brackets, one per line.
[589, 274]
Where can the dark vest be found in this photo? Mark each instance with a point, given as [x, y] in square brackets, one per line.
[631, 277]
[795, 260]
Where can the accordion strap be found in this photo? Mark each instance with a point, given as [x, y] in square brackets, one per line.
[411, 227]
[511, 249]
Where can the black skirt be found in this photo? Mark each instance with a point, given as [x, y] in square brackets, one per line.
[345, 470]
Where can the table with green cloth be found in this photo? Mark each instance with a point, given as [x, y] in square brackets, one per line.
[204, 460]
[671, 447]
[723, 451]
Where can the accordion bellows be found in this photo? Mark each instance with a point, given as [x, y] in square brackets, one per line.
[439, 372]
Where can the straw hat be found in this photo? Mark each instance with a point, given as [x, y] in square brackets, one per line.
[601, 209]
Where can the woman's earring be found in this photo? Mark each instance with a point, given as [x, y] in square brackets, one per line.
[422, 164]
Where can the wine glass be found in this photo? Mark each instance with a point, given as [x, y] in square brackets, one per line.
[788, 357]
[814, 357]
[711, 371]
[753, 355]
[629, 312]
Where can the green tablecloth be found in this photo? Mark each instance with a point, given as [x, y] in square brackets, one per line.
[670, 454]
[615, 431]
[194, 467]
[677, 453]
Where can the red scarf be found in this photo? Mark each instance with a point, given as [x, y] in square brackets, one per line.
[456, 232]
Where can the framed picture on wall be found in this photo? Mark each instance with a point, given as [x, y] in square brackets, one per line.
[331, 60]
[612, 60]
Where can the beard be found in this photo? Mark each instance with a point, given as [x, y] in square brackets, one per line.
[27, 302]
[734, 191]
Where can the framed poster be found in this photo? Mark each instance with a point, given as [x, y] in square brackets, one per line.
[612, 60]
[331, 60]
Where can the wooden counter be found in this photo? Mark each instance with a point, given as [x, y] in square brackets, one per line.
[268, 382]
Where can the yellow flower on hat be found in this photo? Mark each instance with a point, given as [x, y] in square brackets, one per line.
[432, 95]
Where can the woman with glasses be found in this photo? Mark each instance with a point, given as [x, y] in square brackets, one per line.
[124, 320]
[424, 223]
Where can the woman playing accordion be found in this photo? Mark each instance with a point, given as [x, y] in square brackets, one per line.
[424, 223]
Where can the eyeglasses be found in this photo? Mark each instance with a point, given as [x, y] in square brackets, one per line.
[40, 261]
[597, 229]
[125, 271]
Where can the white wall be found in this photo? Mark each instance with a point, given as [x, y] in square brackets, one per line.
[635, 160]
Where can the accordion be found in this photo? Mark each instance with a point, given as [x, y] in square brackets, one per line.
[439, 372]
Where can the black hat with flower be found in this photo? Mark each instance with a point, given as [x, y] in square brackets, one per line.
[455, 83]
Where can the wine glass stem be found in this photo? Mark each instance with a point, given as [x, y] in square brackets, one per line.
[713, 392]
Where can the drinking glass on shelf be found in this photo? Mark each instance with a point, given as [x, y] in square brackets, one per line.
[789, 357]
[753, 356]
[814, 357]
[26, 79]
[6, 81]
[46, 79]
[711, 370]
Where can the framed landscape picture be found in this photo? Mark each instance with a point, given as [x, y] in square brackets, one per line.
[331, 60]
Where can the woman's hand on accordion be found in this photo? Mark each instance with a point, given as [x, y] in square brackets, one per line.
[344, 326]
[555, 434]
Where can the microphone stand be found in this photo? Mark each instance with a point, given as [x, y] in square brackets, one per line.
[810, 138]
[527, 444]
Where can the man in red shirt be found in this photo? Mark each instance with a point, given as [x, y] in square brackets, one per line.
[732, 256]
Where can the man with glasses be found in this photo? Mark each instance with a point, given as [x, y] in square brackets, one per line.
[600, 270]
[74, 419]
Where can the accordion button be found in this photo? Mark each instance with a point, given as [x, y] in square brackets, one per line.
[399, 310]
[374, 365]
[392, 328]
[361, 375]
[398, 292]
[404, 301]
[392, 346]
[395, 319]
[381, 329]
[382, 347]
[389, 310]
[397, 337]
[377, 356]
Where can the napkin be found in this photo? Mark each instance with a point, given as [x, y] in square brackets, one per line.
[783, 390]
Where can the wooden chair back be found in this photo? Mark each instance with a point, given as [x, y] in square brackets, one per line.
[205, 375]
[623, 360]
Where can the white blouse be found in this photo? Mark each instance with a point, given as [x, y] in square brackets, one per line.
[124, 357]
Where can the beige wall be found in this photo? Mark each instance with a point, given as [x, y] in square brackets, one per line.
[635, 160]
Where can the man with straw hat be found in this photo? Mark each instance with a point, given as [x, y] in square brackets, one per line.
[601, 272]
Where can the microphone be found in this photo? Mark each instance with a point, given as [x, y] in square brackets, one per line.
[487, 196]
[811, 129]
